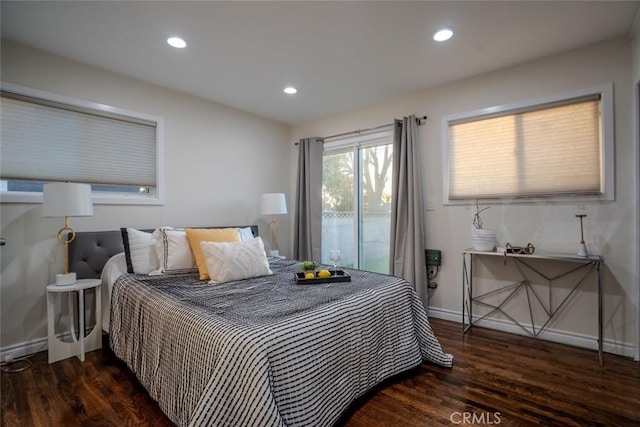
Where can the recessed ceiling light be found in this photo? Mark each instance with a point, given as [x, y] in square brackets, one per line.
[443, 34]
[176, 42]
[290, 90]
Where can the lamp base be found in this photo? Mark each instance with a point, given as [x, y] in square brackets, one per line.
[65, 279]
[582, 250]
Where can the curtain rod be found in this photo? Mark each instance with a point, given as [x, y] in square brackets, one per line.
[419, 121]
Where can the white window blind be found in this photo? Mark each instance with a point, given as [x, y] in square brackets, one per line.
[50, 141]
[544, 150]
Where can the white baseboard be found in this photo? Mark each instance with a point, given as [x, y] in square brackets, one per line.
[35, 346]
[24, 349]
[554, 335]
[444, 314]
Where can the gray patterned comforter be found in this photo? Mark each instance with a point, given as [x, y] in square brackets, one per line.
[266, 351]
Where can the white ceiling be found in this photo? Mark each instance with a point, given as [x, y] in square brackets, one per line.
[340, 55]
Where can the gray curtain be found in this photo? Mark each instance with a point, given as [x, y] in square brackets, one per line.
[407, 258]
[307, 237]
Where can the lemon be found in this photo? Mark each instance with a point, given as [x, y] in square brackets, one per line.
[309, 275]
[324, 273]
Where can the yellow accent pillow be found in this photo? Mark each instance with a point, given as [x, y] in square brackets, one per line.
[218, 235]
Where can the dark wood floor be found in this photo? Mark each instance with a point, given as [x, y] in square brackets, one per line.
[497, 379]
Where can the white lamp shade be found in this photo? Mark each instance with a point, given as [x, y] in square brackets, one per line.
[273, 204]
[66, 199]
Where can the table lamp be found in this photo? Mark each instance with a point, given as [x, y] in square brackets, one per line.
[273, 204]
[65, 199]
[582, 247]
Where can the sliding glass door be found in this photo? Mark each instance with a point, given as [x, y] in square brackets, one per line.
[356, 199]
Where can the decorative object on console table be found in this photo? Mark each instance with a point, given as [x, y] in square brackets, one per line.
[482, 239]
[582, 247]
[273, 204]
[65, 199]
[529, 249]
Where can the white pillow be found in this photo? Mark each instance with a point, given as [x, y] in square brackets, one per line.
[142, 252]
[235, 261]
[173, 251]
[245, 234]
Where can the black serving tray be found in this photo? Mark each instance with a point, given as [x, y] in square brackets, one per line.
[336, 276]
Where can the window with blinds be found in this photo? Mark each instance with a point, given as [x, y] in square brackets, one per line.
[557, 148]
[46, 138]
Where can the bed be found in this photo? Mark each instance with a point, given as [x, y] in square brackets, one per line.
[261, 351]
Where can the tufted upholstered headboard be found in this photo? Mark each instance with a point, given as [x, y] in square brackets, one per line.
[90, 250]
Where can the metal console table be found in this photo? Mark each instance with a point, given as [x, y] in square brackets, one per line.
[585, 266]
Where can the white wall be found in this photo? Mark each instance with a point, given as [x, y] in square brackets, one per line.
[218, 160]
[635, 83]
[551, 227]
